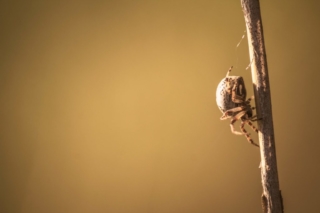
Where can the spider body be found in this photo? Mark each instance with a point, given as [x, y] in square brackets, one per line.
[231, 100]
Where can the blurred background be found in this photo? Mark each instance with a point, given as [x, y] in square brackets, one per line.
[109, 106]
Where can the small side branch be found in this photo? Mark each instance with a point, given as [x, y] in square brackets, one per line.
[271, 196]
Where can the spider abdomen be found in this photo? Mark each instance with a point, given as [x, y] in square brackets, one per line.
[230, 93]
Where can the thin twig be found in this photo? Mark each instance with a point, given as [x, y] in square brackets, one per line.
[271, 196]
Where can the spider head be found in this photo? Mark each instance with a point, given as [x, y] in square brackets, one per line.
[249, 113]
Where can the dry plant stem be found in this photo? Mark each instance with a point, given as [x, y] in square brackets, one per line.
[271, 196]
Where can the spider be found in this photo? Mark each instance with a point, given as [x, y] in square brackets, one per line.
[231, 100]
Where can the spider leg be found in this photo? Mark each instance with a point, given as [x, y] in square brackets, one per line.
[237, 99]
[226, 113]
[233, 120]
[247, 134]
[249, 100]
[252, 126]
[254, 118]
[229, 71]
[237, 93]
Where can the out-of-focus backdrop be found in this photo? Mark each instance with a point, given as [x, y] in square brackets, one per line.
[109, 106]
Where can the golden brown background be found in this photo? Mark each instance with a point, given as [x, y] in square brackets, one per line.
[109, 106]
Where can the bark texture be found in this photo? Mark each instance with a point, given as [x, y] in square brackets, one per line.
[271, 196]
